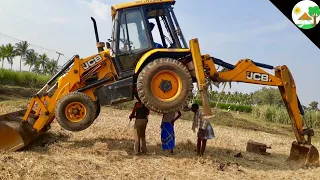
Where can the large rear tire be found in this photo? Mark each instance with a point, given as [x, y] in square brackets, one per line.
[76, 111]
[164, 85]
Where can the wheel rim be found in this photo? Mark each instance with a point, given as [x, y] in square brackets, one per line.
[75, 111]
[166, 85]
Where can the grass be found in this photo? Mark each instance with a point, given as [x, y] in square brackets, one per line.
[8, 93]
[280, 115]
[22, 79]
[269, 113]
[225, 106]
[307, 26]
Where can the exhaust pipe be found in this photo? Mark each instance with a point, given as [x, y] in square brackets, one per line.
[100, 45]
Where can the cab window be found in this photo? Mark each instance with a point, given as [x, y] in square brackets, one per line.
[133, 35]
[133, 38]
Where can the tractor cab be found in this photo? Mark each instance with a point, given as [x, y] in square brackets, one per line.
[139, 27]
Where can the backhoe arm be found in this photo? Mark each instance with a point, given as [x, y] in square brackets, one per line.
[247, 71]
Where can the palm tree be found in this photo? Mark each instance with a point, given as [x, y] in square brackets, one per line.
[31, 58]
[2, 54]
[10, 53]
[22, 49]
[43, 60]
[36, 67]
[52, 67]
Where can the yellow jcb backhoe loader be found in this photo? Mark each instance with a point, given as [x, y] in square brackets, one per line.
[132, 65]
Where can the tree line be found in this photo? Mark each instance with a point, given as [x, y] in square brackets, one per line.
[38, 63]
[263, 96]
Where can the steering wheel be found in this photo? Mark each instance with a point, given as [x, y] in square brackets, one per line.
[125, 41]
[126, 44]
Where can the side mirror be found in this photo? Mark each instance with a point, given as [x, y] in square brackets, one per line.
[108, 45]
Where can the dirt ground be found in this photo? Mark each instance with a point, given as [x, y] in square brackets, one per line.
[105, 151]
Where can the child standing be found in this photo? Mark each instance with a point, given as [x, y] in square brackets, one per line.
[205, 130]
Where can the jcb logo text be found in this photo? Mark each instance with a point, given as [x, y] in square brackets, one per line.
[91, 62]
[257, 76]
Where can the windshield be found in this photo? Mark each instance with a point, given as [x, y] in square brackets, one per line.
[113, 35]
[133, 34]
[164, 32]
[177, 27]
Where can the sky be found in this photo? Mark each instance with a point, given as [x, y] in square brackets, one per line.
[228, 30]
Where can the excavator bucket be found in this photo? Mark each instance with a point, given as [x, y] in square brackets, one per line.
[304, 154]
[14, 133]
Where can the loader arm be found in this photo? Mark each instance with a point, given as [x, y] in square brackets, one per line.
[18, 129]
[74, 80]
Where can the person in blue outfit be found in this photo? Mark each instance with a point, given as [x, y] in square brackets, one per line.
[167, 130]
[156, 44]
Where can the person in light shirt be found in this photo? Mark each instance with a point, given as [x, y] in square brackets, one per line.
[205, 130]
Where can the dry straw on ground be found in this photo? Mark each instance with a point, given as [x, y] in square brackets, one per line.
[105, 151]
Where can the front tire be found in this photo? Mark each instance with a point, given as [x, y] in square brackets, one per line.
[164, 85]
[98, 108]
[76, 111]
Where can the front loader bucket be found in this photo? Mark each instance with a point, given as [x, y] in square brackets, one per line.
[304, 155]
[13, 133]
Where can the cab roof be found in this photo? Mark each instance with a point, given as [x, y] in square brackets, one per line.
[117, 7]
